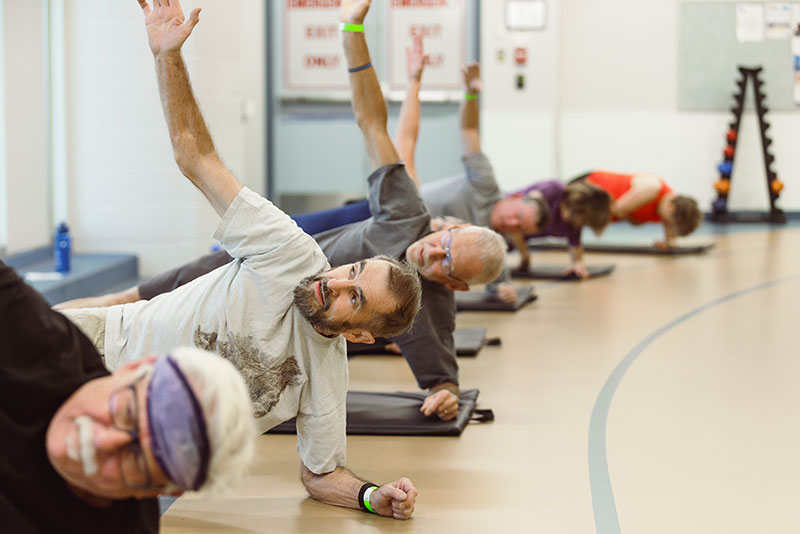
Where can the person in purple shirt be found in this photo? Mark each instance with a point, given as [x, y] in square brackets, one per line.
[572, 206]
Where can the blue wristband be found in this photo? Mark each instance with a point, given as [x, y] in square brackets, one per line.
[362, 67]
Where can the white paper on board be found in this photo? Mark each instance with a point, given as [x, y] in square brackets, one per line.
[779, 20]
[750, 23]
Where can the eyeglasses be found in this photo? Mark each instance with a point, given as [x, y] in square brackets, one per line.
[447, 261]
[124, 410]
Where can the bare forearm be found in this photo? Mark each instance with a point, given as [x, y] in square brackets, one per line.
[470, 137]
[670, 235]
[576, 253]
[520, 244]
[408, 127]
[368, 104]
[191, 141]
[644, 189]
[339, 487]
[187, 129]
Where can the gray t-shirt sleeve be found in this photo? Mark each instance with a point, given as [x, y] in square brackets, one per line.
[253, 227]
[480, 176]
[428, 346]
[175, 278]
[399, 217]
[321, 439]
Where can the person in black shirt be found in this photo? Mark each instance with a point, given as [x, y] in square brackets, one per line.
[88, 451]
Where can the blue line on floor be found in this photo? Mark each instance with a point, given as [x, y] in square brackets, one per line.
[606, 519]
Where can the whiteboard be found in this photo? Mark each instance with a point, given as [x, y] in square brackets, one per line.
[709, 54]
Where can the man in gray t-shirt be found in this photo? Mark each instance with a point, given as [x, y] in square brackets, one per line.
[474, 195]
[399, 227]
[276, 311]
[447, 260]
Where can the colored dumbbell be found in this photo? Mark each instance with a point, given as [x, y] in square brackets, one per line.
[731, 135]
[725, 168]
[728, 152]
[722, 186]
[776, 186]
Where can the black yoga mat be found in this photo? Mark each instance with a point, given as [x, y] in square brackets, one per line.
[482, 301]
[468, 342]
[622, 248]
[556, 272]
[397, 414]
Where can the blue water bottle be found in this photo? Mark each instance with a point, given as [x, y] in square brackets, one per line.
[62, 249]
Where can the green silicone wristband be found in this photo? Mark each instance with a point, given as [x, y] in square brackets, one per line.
[366, 500]
[347, 27]
[470, 96]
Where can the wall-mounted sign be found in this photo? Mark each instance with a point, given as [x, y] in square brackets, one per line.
[526, 15]
[313, 57]
[442, 25]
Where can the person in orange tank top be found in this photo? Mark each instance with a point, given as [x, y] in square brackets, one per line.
[644, 197]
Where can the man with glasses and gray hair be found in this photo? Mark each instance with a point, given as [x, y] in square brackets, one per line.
[400, 226]
[87, 450]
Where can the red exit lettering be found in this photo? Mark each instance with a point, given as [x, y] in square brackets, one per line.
[434, 61]
[320, 62]
[321, 32]
[425, 30]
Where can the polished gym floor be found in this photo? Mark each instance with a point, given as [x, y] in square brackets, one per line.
[663, 398]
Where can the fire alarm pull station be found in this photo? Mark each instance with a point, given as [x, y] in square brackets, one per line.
[520, 55]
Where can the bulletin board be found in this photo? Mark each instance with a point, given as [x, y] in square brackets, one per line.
[709, 55]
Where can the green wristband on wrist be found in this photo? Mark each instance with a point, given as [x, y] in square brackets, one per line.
[367, 495]
[347, 27]
[470, 96]
[363, 497]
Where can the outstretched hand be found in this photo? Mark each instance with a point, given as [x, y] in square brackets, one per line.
[396, 499]
[472, 78]
[167, 29]
[354, 11]
[415, 59]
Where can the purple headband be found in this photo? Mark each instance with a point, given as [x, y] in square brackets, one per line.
[177, 426]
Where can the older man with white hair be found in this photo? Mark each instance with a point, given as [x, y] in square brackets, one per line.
[87, 450]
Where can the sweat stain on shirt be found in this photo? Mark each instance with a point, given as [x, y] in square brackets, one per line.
[265, 383]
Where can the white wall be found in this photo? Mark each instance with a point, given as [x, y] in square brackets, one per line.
[3, 208]
[519, 126]
[25, 212]
[126, 193]
[614, 92]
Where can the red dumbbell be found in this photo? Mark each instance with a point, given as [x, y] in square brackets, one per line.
[731, 135]
[728, 152]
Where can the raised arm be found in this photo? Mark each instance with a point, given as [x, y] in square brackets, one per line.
[192, 146]
[405, 137]
[470, 114]
[369, 106]
[644, 189]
